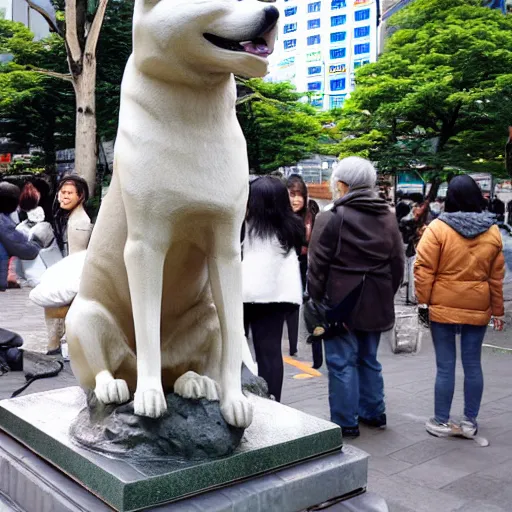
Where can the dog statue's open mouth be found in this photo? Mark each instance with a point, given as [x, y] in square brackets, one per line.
[261, 46]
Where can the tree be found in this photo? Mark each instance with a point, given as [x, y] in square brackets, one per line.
[114, 49]
[81, 30]
[35, 109]
[279, 129]
[35, 104]
[440, 95]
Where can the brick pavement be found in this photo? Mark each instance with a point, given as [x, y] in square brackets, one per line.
[411, 470]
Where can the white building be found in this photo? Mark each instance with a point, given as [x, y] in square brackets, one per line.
[18, 10]
[321, 43]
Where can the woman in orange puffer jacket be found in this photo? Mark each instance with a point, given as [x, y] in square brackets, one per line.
[459, 274]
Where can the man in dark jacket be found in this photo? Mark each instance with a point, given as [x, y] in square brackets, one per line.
[12, 242]
[356, 263]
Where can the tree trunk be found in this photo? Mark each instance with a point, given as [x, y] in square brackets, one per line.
[508, 153]
[49, 146]
[86, 153]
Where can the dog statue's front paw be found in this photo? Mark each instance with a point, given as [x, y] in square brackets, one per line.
[237, 410]
[109, 390]
[149, 402]
[194, 386]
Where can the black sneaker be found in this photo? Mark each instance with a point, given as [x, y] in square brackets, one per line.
[350, 432]
[377, 422]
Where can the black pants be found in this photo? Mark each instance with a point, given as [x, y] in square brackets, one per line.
[266, 323]
[292, 324]
[318, 354]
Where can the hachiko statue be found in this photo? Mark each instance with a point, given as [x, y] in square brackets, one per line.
[160, 306]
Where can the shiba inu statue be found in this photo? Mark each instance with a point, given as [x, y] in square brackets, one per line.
[160, 306]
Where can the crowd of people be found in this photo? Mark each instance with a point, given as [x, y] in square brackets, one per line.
[29, 244]
[341, 268]
[348, 263]
[24, 224]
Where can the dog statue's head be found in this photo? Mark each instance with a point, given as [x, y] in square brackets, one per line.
[181, 40]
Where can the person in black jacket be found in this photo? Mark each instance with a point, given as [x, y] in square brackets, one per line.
[356, 262]
[12, 242]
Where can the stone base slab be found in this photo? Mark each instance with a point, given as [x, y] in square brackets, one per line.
[278, 437]
[30, 484]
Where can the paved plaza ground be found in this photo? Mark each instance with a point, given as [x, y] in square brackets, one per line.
[411, 470]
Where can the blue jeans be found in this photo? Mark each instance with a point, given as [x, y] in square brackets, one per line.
[472, 337]
[356, 386]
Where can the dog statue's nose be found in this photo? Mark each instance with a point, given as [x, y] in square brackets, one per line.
[271, 16]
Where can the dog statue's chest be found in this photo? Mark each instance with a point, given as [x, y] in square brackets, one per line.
[178, 150]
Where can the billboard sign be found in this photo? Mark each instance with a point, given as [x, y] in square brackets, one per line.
[337, 68]
[313, 56]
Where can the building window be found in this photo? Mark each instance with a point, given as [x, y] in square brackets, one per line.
[362, 31]
[362, 15]
[338, 20]
[314, 86]
[314, 23]
[337, 101]
[314, 7]
[314, 70]
[290, 11]
[362, 48]
[317, 102]
[338, 53]
[290, 27]
[313, 40]
[337, 37]
[290, 43]
[338, 4]
[359, 63]
[338, 84]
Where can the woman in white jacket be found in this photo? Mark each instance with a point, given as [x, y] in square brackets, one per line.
[271, 274]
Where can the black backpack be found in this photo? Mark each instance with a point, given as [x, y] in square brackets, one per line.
[11, 356]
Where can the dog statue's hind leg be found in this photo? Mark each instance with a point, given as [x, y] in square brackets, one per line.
[92, 333]
[225, 270]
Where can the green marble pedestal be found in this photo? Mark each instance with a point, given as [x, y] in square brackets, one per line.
[278, 437]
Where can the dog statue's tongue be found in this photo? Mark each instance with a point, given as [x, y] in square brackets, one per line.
[257, 49]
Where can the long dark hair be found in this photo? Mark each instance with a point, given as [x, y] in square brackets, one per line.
[310, 209]
[9, 197]
[61, 216]
[295, 182]
[464, 195]
[269, 213]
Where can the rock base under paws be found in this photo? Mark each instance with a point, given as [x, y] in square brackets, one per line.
[192, 429]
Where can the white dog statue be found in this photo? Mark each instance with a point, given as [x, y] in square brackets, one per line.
[160, 305]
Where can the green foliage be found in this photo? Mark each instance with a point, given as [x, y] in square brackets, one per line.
[440, 94]
[39, 110]
[35, 109]
[34, 165]
[279, 129]
[114, 48]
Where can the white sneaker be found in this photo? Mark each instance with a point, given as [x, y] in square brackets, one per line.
[438, 429]
[468, 428]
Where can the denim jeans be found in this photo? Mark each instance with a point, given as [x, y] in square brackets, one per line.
[356, 386]
[472, 337]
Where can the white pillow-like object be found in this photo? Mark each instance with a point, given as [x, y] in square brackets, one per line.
[59, 283]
